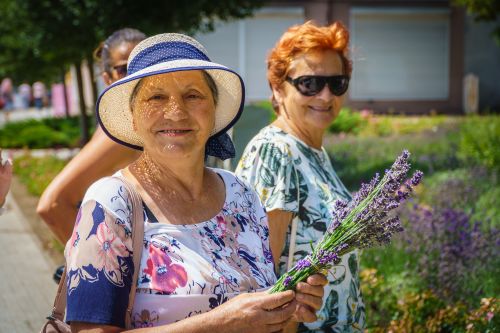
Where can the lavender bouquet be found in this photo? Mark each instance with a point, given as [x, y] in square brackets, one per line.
[363, 222]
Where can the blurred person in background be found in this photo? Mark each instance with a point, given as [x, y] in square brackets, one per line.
[5, 180]
[39, 94]
[7, 97]
[24, 91]
[100, 157]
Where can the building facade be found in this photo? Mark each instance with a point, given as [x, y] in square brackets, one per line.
[408, 56]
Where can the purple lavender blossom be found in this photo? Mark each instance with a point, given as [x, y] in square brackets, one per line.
[327, 257]
[287, 281]
[451, 248]
[302, 264]
[339, 204]
[364, 222]
[402, 196]
[417, 178]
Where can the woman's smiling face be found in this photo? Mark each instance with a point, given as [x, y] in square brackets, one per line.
[174, 113]
[311, 113]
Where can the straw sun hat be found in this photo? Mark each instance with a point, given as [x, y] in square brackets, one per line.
[166, 53]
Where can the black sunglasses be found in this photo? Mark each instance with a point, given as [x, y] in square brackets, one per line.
[310, 85]
[121, 70]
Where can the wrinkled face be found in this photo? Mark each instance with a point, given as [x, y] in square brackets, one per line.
[311, 113]
[118, 57]
[174, 113]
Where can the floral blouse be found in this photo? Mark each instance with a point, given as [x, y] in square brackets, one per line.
[185, 269]
[292, 176]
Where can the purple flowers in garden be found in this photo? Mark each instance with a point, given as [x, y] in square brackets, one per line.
[364, 222]
[452, 251]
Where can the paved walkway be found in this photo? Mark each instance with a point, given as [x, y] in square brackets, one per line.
[26, 287]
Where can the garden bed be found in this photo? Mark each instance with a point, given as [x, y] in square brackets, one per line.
[442, 274]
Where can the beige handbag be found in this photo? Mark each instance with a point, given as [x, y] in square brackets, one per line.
[55, 322]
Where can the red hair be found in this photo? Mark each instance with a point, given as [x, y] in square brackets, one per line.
[304, 38]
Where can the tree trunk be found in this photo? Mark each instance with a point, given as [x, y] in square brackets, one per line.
[84, 120]
[93, 82]
[65, 93]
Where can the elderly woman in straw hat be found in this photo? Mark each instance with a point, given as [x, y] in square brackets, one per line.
[205, 231]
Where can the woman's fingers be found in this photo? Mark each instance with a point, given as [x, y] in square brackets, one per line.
[276, 300]
[312, 301]
[317, 280]
[305, 288]
[276, 327]
[282, 314]
[310, 297]
[304, 314]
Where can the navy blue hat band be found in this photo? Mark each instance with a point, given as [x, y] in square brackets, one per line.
[156, 54]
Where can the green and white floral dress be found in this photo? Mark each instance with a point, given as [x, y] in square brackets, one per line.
[292, 176]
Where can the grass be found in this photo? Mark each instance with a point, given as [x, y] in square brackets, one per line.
[357, 159]
[37, 172]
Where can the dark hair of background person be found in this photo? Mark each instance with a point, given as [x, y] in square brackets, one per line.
[125, 35]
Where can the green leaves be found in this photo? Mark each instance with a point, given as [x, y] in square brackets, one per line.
[483, 10]
[37, 38]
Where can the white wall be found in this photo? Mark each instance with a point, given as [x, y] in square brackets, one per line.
[243, 45]
[400, 54]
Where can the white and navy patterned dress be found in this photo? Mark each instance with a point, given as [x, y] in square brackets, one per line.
[185, 269]
[283, 169]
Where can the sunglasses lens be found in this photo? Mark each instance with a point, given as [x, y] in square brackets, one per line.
[338, 85]
[310, 85]
[121, 70]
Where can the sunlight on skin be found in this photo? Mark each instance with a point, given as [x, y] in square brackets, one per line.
[174, 114]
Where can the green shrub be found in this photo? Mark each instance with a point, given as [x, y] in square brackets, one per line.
[472, 190]
[45, 133]
[357, 159]
[348, 121]
[41, 136]
[480, 141]
[487, 206]
[37, 172]
[383, 127]
[266, 105]
[390, 125]
[390, 310]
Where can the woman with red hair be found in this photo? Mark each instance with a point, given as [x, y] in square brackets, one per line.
[308, 72]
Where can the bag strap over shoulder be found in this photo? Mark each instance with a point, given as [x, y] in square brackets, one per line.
[59, 308]
[137, 244]
[293, 231]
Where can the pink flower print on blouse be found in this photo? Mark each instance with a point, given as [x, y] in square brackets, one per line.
[165, 275]
[95, 247]
[73, 241]
[110, 248]
[221, 228]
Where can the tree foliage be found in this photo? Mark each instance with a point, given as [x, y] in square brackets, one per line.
[38, 37]
[484, 10]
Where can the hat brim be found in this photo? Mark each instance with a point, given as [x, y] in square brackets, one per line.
[113, 105]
